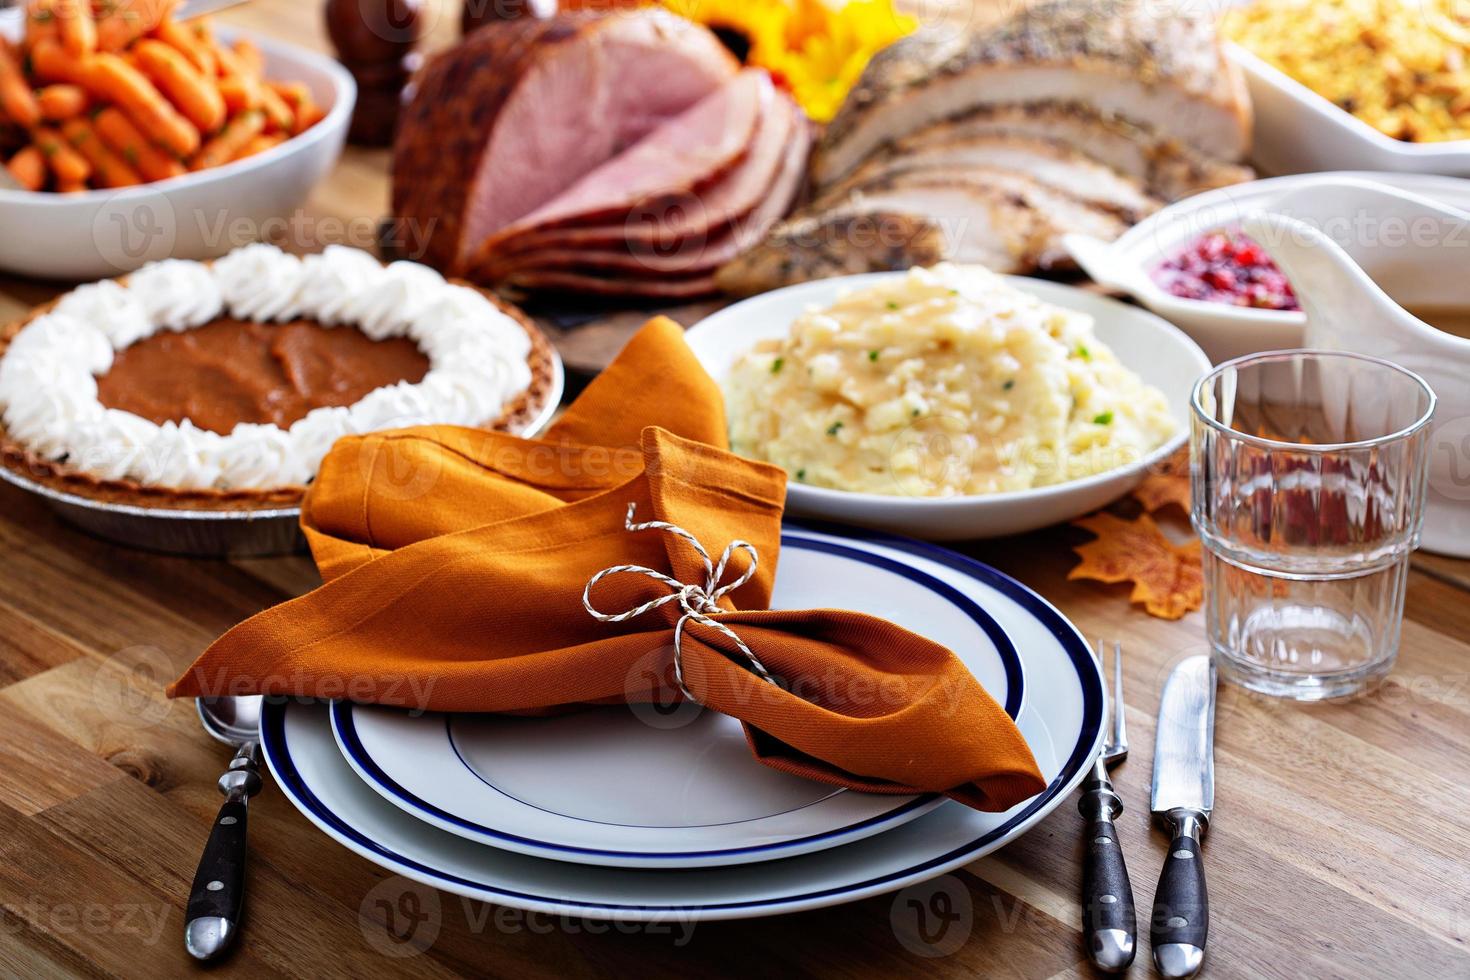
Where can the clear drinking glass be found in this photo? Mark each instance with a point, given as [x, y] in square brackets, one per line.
[1308, 472]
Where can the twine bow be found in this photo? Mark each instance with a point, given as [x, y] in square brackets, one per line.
[700, 602]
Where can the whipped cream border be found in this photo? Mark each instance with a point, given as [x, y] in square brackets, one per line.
[48, 375]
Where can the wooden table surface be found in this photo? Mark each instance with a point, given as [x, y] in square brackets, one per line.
[1338, 848]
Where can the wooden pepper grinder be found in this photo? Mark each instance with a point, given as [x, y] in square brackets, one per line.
[375, 41]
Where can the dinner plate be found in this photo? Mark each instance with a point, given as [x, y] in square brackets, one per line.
[1161, 355]
[559, 787]
[1060, 719]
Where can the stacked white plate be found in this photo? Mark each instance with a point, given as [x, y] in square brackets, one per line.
[650, 812]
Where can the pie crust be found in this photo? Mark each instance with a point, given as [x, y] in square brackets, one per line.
[515, 416]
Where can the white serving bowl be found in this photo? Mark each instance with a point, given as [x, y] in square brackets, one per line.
[1161, 355]
[1350, 206]
[1299, 131]
[103, 233]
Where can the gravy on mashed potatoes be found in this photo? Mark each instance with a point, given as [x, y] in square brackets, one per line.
[943, 382]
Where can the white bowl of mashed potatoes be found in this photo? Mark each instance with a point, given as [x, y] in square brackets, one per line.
[951, 402]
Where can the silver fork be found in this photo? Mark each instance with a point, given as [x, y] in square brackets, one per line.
[1109, 924]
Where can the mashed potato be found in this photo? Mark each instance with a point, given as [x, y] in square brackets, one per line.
[946, 381]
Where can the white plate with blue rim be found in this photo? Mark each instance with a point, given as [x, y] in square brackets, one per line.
[666, 786]
[1060, 719]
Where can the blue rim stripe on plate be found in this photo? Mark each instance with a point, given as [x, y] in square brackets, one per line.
[350, 742]
[274, 745]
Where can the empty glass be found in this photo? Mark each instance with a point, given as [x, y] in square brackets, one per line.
[1308, 473]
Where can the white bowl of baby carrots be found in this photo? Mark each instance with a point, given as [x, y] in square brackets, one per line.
[170, 172]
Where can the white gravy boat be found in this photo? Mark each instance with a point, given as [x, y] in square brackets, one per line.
[1347, 310]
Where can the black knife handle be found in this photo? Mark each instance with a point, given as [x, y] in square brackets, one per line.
[219, 883]
[212, 917]
[1109, 922]
[1181, 915]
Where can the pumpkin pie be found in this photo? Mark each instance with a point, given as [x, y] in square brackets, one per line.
[221, 386]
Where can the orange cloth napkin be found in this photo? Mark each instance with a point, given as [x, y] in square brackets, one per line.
[455, 561]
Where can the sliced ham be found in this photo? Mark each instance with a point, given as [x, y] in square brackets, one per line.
[1160, 65]
[521, 110]
[732, 216]
[773, 165]
[685, 155]
[665, 290]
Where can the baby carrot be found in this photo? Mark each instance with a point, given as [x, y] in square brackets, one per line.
[71, 186]
[113, 80]
[75, 26]
[197, 98]
[307, 116]
[28, 167]
[279, 115]
[119, 133]
[51, 62]
[61, 101]
[15, 95]
[249, 57]
[230, 141]
[295, 93]
[40, 21]
[190, 45]
[69, 166]
[260, 144]
[110, 169]
[124, 21]
[240, 92]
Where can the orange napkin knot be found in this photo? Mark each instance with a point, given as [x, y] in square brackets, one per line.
[700, 602]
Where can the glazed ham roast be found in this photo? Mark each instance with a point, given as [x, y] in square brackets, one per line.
[1071, 116]
[616, 154]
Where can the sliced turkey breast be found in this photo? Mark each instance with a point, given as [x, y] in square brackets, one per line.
[517, 112]
[1166, 169]
[1159, 65]
[1056, 213]
[1050, 163]
[1000, 219]
[833, 243]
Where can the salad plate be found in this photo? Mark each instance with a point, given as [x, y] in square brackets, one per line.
[1061, 721]
[558, 787]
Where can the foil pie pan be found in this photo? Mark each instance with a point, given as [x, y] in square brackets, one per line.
[212, 534]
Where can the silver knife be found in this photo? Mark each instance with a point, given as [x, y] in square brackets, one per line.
[1183, 796]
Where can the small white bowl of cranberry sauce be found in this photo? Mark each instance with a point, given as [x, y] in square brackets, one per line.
[1190, 264]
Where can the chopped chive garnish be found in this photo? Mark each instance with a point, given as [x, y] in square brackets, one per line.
[1103, 418]
[777, 364]
[833, 429]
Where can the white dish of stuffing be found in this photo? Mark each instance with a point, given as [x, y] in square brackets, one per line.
[950, 402]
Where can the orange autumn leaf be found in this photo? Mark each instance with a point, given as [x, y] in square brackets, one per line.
[1167, 483]
[1166, 577]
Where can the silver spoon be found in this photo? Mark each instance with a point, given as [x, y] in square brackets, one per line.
[212, 919]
